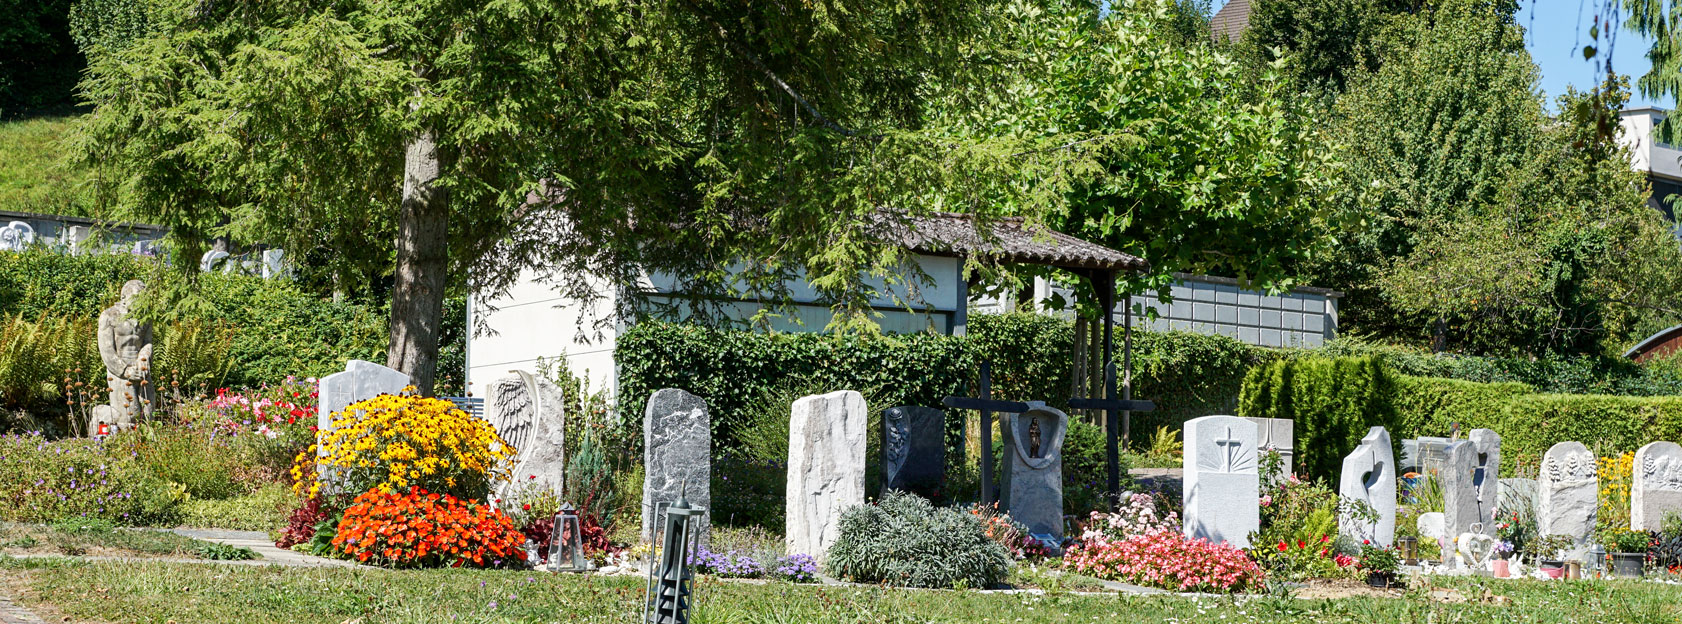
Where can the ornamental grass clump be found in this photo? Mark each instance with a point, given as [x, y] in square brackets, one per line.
[423, 529]
[904, 540]
[392, 443]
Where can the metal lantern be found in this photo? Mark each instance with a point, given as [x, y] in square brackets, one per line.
[1410, 550]
[670, 583]
[566, 543]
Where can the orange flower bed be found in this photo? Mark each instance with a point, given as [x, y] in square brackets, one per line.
[421, 528]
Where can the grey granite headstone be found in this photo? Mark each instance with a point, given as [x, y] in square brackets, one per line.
[1221, 488]
[1033, 484]
[1424, 455]
[914, 450]
[826, 442]
[1486, 478]
[677, 459]
[360, 381]
[1657, 489]
[1369, 476]
[1460, 493]
[1568, 499]
[529, 413]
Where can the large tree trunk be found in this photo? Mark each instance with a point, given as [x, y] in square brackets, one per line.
[417, 296]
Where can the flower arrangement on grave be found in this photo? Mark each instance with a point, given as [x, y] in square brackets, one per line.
[392, 443]
[999, 527]
[1379, 559]
[421, 528]
[797, 568]
[1626, 541]
[1166, 559]
[1616, 476]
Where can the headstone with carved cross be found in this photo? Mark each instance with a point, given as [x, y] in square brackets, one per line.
[1222, 485]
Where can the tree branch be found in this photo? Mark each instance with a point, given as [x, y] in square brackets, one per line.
[724, 35]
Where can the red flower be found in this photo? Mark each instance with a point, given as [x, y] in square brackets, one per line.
[1283, 546]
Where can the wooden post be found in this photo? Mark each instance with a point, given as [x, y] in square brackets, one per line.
[1112, 421]
[985, 393]
[1127, 367]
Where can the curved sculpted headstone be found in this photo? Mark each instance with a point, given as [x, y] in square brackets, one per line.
[529, 413]
[1369, 476]
[16, 236]
[826, 438]
[1658, 485]
[361, 380]
[125, 345]
[677, 456]
[1033, 484]
[1222, 487]
[1568, 495]
[914, 450]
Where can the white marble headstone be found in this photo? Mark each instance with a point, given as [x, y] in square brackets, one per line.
[677, 455]
[16, 236]
[1568, 495]
[1278, 434]
[1222, 486]
[826, 438]
[1369, 476]
[1431, 525]
[1657, 489]
[360, 381]
[274, 263]
[210, 259]
[529, 412]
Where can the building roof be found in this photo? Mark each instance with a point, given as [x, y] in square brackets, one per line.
[1229, 23]
[1654, 341]
[1011, 242]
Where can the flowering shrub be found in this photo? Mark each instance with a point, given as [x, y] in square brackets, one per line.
[421, 528]
[394, 442]
[1616, 476]
[796, 568]
[1166, 559]
[43, 480]
[729, 564]
[267, 409]
[1138, 515]
[1009, 533]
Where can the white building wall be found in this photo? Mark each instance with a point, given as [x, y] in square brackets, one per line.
[1646, 153]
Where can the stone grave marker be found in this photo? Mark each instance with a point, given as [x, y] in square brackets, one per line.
[1222, 486]
[1460, 494]
[360, 381]
[826, 442]
[1278, 434]
[1424, 455]
[1516, 494]
[1033, 485]
[1658, 485]
[1369, 476]
[16, 236]
[677, 459]
[1486, 477]
[1568, 495]
[528, 412]
[914, 450]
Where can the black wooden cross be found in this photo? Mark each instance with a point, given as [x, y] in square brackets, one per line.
[986, 405]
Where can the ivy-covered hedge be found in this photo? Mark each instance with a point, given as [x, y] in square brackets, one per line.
[277, 327]
[1529, 422]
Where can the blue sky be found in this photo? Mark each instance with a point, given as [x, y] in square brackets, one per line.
[1555, 33]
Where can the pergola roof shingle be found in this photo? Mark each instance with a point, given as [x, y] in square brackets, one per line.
[1012, 242]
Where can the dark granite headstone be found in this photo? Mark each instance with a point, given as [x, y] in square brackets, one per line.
[914, 450]
[677, 458]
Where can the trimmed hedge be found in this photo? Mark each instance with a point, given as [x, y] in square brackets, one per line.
[1529, 422]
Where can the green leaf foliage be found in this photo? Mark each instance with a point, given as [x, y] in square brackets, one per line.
[905, 541]
[1332, 400]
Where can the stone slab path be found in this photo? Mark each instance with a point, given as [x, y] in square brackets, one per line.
[259, 542]
[13, 613]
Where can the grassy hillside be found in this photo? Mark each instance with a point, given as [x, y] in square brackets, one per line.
[34, 174]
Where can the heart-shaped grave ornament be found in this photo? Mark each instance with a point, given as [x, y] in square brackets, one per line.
[1476, 548]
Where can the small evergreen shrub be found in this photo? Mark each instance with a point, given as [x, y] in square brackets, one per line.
[1333, 401]
[904, 540]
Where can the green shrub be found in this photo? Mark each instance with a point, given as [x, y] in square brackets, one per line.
[205, 465]
[1332, 400]
[1086, 469]
[43, 480]
[263, 510]
[35, 356]
[1189, 375]
[906, 541]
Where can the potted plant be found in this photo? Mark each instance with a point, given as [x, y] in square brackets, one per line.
[1627, 549]
[1545, 551]
[1381, 564]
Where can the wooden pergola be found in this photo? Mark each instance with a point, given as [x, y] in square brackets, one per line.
[1010, 241]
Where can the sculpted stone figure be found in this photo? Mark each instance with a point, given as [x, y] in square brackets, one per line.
[126, 347]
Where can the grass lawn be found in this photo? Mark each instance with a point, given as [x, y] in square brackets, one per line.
[153, 591]
[97, 538]
[34, 174]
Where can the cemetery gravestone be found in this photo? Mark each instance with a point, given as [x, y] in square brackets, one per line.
[1431, 525]
[528, 412]
[1486, 478]
[1658, 485]
[1221, 483]
[826, 441]
[1369, 476]
[360, 381]
[1568, 495]
[1424, 455]
[1460, 493]
[914, 450]
[1278, 434]
[1518, 494]
[677, 458]
[16, 236]
[1033, 485]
